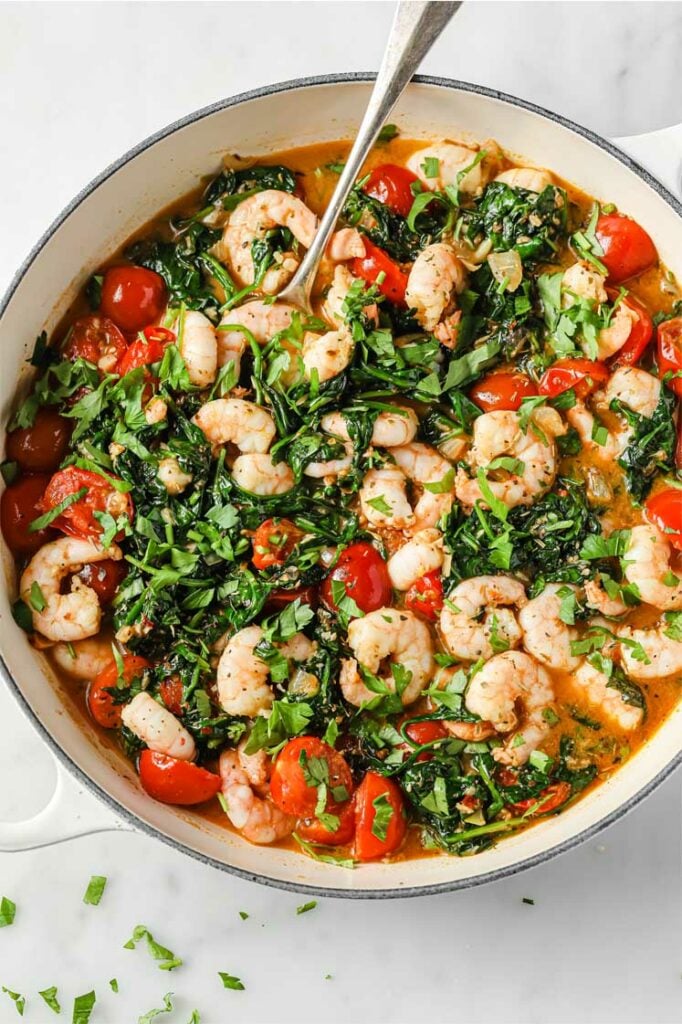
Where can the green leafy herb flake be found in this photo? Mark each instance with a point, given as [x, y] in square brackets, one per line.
[95, 890]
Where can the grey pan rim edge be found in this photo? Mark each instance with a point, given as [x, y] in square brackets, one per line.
[64, 758]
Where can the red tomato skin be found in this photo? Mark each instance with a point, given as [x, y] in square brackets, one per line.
[142, 353]
[365, 575]
[171, 781]
[133, 297]
[551, 798]
[95, 338]
[273, 542]
[583, 375]
[100, 703]
[669, 352]
[288, 786]
[425, 597]
[641, 333]
[171, 691]
[367, 845]
[104, 578]
[279, 599]
[78, 519]
[664, 510]
[425, 732]
[628, 249]
[504, 390]
[391, 185]
[19, 506]
[313, 831]
[375, 262]
[42, 446]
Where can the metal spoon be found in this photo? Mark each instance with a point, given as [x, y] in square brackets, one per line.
[416, 26]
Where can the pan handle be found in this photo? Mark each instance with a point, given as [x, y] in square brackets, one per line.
[71, 812]
[660, 152]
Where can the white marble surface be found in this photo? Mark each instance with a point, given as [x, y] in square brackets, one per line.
[79, 83]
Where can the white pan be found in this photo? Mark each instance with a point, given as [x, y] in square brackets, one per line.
[123, 198]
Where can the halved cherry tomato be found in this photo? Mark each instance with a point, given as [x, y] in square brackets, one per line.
[583, 375]
[172, 692]
[78, 519]
[669, 351]
[426, 595]
[390, 184]
[628, 249]
[641, 332]
[380, 821]
[278, 599]
[548, 800]
[664, 510]
[143, 352]
[273, 542]
[376, 262]
[292, 783]
[104, 578]
[19, 506]
[42, 446]
[504, 390]
[133, 297]
[425, 732]
[313, 831]
[101, 704]
[176, 782]
[506, 777]
[97, 339]
[363, 572]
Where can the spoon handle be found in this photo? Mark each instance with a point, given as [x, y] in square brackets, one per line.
[416, 26]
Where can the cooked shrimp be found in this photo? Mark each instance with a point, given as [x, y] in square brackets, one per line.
[545, 635]
[243, 678]
[387, 633]
[391, 429]
[494, 692]
[471, 732]
[198, 346]
[83, 659]
[345, 244]
[255, 817]
[636, 388]
[333, 307]
[498, 434]
[598, 598]
[157, 727]
[422, 554]
[477, 617]
[585, 282]
[594, 687]
[327, 355]
[258, 474]
[436, 276]
[72, 616]
[383, 498]
[532, 179]
[426, 466]
[452, 158]
[258, 766]
[172, 475]
[245, 424]
[647, 562]
[332, 467]
[251, 221]
[663, 653]
[606, 449]
[262, 319]
[155, 411]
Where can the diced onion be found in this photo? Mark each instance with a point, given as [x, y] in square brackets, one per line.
[506, 268]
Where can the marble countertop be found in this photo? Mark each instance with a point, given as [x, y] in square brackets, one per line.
[79, 83]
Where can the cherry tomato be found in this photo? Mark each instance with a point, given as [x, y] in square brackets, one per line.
[104, 578]
[133, 297]
[176, 782]
[678, 444]
[42, 446]
[313, 831]
[548, 800]
[380, 822]
[390, 184]
[101, 703]
[583, 375]
[292, 786]
[628, 249]
[506, 777]
[78, 519]
[143, 352]
[363, 571]
[96, 339]
[19, 506]
[376, 262]
[504, 390]
[273, 542]
[426, 596]
[172, 693]
[664, 510]
[669, 351]
[279, 599]
[425, 732]
[641, 332]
